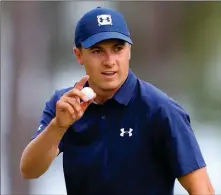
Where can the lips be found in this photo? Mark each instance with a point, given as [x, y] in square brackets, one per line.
[108, 73]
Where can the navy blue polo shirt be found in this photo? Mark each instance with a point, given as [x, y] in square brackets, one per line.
[137, 142]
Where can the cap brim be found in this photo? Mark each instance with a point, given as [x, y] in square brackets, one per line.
[96, 38]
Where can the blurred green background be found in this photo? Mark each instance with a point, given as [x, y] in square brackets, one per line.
[177, 47]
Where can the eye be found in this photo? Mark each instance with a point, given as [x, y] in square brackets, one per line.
[118, 48]
[96, 51]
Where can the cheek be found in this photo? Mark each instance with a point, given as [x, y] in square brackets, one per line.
[124, 64]
[91, 67]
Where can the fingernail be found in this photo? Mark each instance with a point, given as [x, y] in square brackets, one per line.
[85, 98]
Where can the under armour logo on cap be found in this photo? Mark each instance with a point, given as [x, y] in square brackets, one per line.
[123, 132]
[104, 19]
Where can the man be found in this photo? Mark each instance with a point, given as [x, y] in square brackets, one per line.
[131, 138]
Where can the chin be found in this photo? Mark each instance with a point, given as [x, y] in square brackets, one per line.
[109, 86]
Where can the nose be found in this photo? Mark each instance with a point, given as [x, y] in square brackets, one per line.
[109, 59]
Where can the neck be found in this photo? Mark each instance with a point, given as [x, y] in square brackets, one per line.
[103, 95]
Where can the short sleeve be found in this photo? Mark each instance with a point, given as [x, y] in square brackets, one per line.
[181, 149]
[48, 114]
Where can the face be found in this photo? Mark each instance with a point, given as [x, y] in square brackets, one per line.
[107, 64]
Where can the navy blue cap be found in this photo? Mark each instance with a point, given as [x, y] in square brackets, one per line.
[101, 24]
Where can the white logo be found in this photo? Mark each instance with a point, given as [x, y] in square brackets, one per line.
[104, 19]
[126, 132]
[39, 128]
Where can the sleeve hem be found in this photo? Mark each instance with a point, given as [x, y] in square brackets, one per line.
[191, 169]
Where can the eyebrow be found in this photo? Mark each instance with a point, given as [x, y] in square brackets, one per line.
[95, 47]
[122, 43]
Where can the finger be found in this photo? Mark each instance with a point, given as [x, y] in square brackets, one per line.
[78, 94]
[62, 105]
[75, 105]
[80, 84]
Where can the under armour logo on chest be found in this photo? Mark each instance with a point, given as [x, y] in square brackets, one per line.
[123, 132]
[104, 19]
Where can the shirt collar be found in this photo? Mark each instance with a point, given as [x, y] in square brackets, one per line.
[124, 94]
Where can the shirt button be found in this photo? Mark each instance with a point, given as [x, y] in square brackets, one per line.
[103, 117]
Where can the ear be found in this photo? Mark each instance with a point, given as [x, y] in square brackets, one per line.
[129, 48]
[130, 53]
[78, 54]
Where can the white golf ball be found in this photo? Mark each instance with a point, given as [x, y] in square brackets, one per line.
[88, 92]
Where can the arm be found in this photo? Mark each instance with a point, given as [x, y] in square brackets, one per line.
[184, 156]
[197, 183]
[41, 151]
[58, 116]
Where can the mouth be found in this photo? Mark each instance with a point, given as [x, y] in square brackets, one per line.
[108, 73]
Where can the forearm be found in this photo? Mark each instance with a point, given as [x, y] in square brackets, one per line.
[207, 190]
[40, 152]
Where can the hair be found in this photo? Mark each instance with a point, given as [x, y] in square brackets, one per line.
[80, 47]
